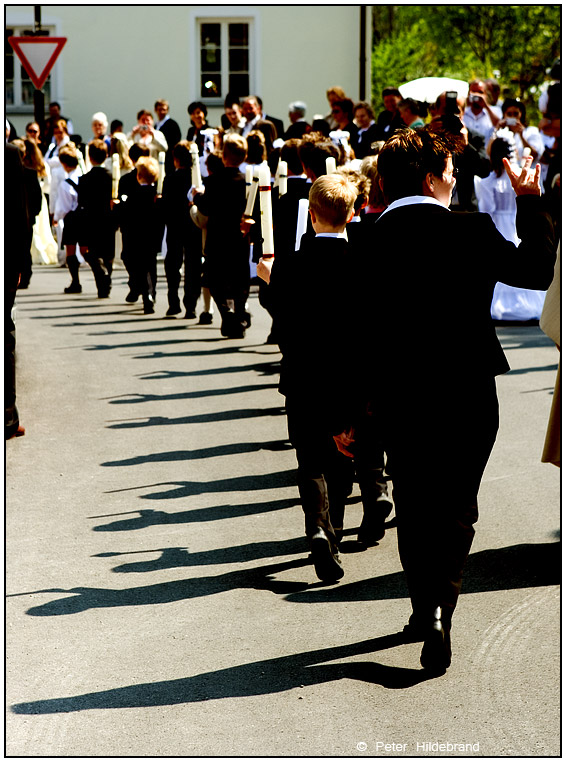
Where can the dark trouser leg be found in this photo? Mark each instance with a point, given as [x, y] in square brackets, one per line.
[25, 264]
[73, 265]
[173, 262]
[11, 417]
[193, 274]
[100, 271]
[321, 487]
[435, 534]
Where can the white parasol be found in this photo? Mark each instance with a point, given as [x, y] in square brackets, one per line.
[427, 89]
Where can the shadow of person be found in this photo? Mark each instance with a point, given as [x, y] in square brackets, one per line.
[149, 517]
[264, 677]
[78, 599]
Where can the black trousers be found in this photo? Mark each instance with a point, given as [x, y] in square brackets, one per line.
[184, 247]
[11, 416]
[438, 446]
[324, 475]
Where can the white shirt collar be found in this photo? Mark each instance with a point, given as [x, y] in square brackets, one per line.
[410, 200]
[332, 235]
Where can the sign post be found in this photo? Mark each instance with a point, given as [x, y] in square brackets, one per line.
[37, 55]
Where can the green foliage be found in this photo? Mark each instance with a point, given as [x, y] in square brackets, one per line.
[515, 44]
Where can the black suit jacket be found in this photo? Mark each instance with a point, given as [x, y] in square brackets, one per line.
[279, 126]
[94, 198]
[362, 142]
[310, 288]
[172, 133]
[429, 304]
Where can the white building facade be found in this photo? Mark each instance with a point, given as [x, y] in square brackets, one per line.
[120, 59]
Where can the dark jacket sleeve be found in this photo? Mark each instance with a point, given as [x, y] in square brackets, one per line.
[531, 264]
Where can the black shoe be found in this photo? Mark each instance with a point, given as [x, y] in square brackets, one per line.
[327, 564]
[132, 297]
[148, 305]
[372, 528]
[205, 318]
[190, 315]
[74, 288]
[174, 309]
[436, 655]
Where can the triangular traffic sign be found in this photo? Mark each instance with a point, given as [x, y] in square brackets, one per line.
[37, 54]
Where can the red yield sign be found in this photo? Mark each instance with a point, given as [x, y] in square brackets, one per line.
[37, 54]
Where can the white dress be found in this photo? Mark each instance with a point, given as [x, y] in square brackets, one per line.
[496, 197]
[43, 246]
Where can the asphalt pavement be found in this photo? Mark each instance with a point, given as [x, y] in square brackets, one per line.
[159, 598]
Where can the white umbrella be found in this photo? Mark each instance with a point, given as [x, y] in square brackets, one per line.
[427, 89]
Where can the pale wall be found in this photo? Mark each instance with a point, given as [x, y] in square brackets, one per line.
[120, 59]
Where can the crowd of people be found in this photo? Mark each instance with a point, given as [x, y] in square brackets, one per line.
[346, 190]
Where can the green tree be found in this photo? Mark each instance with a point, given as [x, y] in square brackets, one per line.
[515, 44]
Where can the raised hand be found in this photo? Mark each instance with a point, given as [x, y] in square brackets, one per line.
[525, 181]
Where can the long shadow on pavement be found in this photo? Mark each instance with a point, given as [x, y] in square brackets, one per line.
[147, 517]
[248, 483]
[135, 398]
[255, 679]
[226, 415]
[235, 448]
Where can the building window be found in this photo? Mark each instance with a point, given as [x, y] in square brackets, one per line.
[224, 59]
[19, 87]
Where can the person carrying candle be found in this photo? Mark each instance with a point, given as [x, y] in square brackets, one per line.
[320, 277]
[142, 217]
[127, 188]
[98, 226]
[226, 264]
[66, 204]
[184, 238]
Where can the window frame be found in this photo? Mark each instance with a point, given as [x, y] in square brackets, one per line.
[223, 16]
[19, 23]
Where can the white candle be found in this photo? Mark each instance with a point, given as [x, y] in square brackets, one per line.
[253, 192]
[330, 165]
[161, 177]
[196, 178]
[302, 219]
[266, 213]
[88, 165]
[81, 161]
[115, 174]
[282, 169]
[249, 179]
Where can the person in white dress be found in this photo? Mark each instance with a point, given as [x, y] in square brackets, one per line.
[496, 197]
[515, 120]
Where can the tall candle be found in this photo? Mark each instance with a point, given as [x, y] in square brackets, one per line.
[161, 177]
[266, 213]
[282, 169]
[88, 165]
[330, 165]
[115, 174]
[81, 161]
[196, 178]
[302, 219]
[249, 179]
[253, 192]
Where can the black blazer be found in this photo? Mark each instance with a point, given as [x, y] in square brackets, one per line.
[362, 142]
[429, 304]
[172, 133]
[310, 289]
[94, 198]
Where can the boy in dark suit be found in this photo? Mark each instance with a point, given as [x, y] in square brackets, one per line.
[320, 277]
[184, 239]
[127, 188]
[226, 250]
[95, 201]
[441, 414]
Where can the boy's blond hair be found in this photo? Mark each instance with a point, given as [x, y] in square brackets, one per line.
[332, 198]
[235, 149]
[147, 169]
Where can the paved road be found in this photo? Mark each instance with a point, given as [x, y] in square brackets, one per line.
[159, 601]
